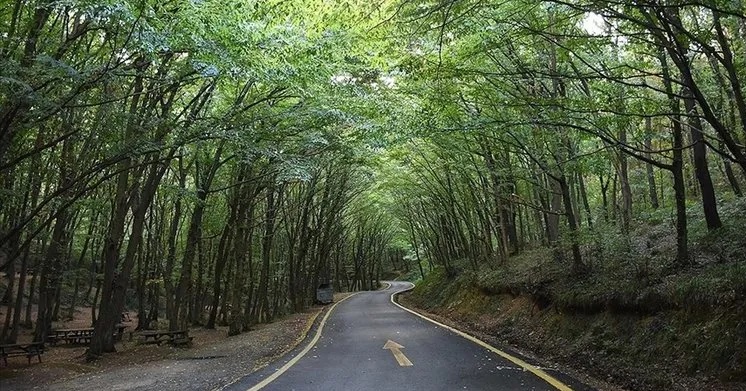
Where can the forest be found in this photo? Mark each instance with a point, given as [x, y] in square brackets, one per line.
[211, 162]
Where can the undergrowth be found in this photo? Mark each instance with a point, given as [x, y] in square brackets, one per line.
[631, 308]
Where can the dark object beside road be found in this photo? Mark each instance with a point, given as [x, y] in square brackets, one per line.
[324, 294]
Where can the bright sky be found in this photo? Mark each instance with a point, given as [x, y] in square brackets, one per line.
[593, 23]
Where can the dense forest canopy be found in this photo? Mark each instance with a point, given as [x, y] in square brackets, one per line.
[212, 162]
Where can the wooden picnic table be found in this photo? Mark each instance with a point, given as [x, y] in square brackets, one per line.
[176, 338]
[71, 336]
[20, 349]
[79, 336]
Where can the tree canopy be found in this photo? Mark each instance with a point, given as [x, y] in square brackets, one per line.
[213, 161]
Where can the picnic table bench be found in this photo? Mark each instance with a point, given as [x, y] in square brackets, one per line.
[19, 349]
[79, 336]
[175, 338]
[71, 336]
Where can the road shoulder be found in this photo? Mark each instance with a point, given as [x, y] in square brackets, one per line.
[576, 380]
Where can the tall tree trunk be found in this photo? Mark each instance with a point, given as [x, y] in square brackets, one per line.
[677, 166]
[13, 337]
[577, 260]
[652, 189]
[184, 290]
[220, 261]
[699, 148]
[626, 209]
[267, 239]
[184, 297]
[114, 295]
[728, 168]
[584, 199]
[51, 272]
[52, 267]
[604, 196]
[33, 287]
[168, 272]
[553, 219]
[10, 303]
[241, 251]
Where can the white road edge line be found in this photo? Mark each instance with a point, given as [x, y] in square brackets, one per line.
[294, 360]
[515, 360]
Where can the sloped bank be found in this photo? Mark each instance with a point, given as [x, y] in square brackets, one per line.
[649, 342]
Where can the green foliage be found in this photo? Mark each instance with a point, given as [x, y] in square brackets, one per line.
[508, 143]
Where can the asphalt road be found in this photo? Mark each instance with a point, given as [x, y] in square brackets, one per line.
[350, 355]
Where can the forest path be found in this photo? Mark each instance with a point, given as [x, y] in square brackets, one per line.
[370, 343]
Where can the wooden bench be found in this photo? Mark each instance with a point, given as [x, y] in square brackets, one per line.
[17, 350]
[174, 338]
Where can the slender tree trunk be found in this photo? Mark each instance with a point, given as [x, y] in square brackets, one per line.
[52, 267]
[13, 337]
[242, 250]
[577, 264]
[269, 229]
[584, 199]
[413, 235]
[652, 189]
[553, 219]
[699, 149]
[11, 275]
[33, 289]
[10, 304]
[604, 196]
[728, 168]
[168, 272]
[220, 262]
[50, 274]
[626, 209]
[677, 167]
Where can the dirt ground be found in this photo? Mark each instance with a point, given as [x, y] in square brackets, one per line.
[213, 360]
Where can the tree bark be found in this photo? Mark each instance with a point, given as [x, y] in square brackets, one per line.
[652, 189]
[709, 201]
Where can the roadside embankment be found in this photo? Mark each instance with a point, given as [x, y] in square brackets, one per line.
[685, 331]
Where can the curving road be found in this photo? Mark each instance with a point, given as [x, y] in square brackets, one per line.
[369, 343]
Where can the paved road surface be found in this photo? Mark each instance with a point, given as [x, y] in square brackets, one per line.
[350, 355]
